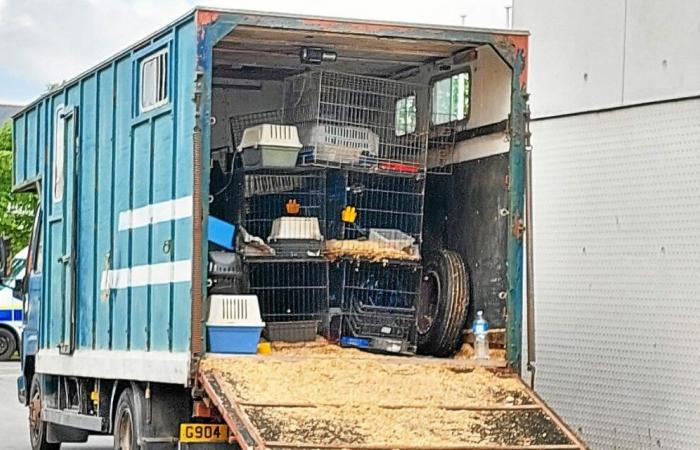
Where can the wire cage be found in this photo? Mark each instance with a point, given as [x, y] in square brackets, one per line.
[379, 301]
[357, 121]
[270, 195]
[290, 290]
[386, 202]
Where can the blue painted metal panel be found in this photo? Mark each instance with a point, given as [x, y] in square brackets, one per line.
[124, 160]
[104, 201]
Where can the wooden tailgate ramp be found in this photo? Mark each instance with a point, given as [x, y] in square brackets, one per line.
[346, 399]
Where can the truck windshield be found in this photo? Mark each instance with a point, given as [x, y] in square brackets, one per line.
[16, 268]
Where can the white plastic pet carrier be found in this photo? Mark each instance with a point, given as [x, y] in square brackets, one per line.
[340, 144]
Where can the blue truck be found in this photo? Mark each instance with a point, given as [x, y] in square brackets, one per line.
[167, 186]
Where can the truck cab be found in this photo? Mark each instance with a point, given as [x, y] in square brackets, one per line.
[11, 307]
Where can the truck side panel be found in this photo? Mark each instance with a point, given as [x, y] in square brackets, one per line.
[133, 222]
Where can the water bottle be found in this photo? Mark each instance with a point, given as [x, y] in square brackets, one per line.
[480, 327]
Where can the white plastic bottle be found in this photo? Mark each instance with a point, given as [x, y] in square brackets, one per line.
[480, 327]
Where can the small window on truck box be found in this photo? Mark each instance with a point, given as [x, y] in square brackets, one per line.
[451, 98]
[58, 156]
[153, 81]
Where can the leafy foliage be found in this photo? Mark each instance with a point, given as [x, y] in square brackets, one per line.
[17, 210]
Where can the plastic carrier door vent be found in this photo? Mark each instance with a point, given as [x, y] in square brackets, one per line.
[234, 310]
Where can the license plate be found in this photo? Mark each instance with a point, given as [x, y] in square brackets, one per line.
[202, 432]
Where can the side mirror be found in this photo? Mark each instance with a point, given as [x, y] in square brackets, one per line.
[4, 255]
[17, 290]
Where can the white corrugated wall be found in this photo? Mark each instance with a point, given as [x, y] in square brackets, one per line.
[617, 267]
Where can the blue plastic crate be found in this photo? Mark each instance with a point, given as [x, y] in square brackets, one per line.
[233, 339]
[221, 232]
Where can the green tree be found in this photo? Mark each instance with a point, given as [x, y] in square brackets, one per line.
[17, 209]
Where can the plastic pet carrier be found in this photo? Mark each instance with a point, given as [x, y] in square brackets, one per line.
[296, 236]
[234, 324]
[227, 273]
[340, 145]
[270, 145]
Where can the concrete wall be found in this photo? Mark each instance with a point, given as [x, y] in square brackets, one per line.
[593, 54]
[617, 253]
[616, 248]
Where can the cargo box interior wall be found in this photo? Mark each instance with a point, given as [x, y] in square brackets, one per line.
[460, 190]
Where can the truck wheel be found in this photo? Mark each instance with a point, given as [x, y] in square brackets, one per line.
[125, 423]
[443, 304]
[37, 427]
[8, 344]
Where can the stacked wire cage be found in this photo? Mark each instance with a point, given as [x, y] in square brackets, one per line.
[365, 149]
[357, 122]
[290, 289]
[384, 201]
[380, 292]
[276, 193]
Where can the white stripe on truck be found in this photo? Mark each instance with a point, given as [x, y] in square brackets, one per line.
[146, 275]
[168, 210]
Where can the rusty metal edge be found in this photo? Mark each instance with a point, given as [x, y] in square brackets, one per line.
[555, 418]
[417, 447]
[234, 425]
[243, 417]
[196, 314]
[525, 407]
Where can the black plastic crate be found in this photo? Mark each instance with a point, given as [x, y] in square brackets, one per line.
[379, 303]
[293, 331]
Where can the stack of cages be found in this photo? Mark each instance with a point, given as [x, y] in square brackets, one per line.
[367, 140]
[286, 210]
[369, 128]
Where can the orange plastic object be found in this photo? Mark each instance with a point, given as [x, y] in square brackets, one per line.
[293, 207]
[264, 348]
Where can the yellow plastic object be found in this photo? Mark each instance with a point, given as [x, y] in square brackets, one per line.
[264, 348]
[349, 214]
[293, 207]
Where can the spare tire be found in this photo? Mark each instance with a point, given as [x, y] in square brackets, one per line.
[443, 304]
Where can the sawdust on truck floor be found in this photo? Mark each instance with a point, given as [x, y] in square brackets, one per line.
[321, 373]
[317, 393]
[402, 427]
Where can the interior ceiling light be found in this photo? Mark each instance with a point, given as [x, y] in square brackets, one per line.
[316, 55]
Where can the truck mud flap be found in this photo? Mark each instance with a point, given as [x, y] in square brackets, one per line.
[284, 419]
